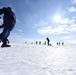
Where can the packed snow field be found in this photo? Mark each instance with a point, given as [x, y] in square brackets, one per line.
[30, 59]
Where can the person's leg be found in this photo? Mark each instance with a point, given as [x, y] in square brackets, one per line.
[5, 44]
[7, 41]
[48, 43]
[4, 35]
[8, 26]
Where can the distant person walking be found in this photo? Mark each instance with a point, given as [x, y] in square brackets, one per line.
[47, 41]
[9, 21]
[62, 43]
[59, 43]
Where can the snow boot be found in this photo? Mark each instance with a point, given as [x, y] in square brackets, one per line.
[5, 45]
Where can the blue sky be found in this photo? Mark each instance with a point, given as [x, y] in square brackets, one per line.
[38, 19]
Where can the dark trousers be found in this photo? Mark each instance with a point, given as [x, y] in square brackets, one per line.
[6, 32]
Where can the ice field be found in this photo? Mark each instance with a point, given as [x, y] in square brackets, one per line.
[31, 59]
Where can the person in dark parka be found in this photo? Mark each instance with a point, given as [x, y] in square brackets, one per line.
[48, 40]
[9, 20]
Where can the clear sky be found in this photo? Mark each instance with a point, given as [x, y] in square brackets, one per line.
[38, 19]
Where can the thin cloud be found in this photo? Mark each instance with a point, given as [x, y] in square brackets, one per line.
[42, 23]
[72, 9]
[19, 30]
[50, 30]
[74, 25]
[69, 39]
[65, 27]
[73, 1]
[66, 21]
[18, 21]
[73, 29]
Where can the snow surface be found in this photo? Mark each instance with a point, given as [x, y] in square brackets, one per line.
[30, 59]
